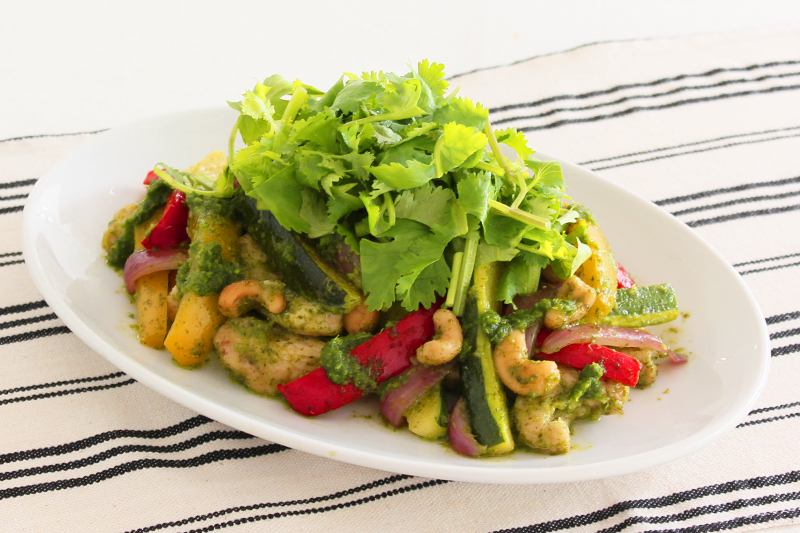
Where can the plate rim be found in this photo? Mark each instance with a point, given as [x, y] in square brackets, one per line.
[241, 421]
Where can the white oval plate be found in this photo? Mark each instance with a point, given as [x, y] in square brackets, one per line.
[69, 209]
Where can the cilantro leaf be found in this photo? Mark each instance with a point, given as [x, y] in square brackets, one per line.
[402, 177]
[455, 146]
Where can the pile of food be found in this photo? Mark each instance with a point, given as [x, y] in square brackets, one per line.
[381, 238]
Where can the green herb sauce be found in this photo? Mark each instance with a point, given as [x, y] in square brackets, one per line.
[157, 194]
[497, 327]
[207, 272]
[342, 368]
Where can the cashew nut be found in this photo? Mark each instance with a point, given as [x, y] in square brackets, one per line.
[238, 298]
[520, 374]
[447, 342]
[576, 290]
[361, 320]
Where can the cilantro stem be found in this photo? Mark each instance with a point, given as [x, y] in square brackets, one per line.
[535, 250]
[496, 149]
[299, 98]
[467, 266]
[498, 154]
[455, 279]
[494, 169]
[389, 203]
[231, 141]
[519, 214]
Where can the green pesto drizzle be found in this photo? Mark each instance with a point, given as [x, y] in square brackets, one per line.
[343, 368]
[207, 272]
[157, 194]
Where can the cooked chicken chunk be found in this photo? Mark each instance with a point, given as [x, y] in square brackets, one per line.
[114, 231]
[263, 356]
[305, 317]
[544, 422]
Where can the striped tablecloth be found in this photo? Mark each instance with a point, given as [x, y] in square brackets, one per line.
[706, 127]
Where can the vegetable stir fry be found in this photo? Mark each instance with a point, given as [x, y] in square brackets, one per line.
[381, 238]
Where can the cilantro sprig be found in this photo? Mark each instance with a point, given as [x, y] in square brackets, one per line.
[413, 178]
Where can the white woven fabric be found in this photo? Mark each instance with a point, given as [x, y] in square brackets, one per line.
[707, 127]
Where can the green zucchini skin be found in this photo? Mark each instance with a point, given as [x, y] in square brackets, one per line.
[428, 417]
[484, 396]
[298, 265]
[638, 307]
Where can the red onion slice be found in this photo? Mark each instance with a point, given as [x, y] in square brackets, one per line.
[420, 379]
[144, 262]
[530, 337]
[676, 358]
[604, 336]
[460, 434]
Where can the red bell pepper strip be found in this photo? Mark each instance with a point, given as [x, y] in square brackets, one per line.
[171, 229]
[624, 280]
[541, 336]
[386, 354]
[151, 177]
[618, 366]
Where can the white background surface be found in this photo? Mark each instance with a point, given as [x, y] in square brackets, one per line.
[90, 64]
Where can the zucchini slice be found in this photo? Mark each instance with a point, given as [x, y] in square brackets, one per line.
[484, 395]
[298, 264]
[428, 416]
[638, 307]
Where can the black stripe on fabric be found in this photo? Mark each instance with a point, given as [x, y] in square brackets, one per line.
[316, 499]
[56, 394]
[11, 254]
[785, 333]
[757, 261]
[317, 510]
[12, 209]
[679, 103]
[726, 190]
[773, 408]
[9, 263]
[623, 99]
[549, 54]
[751, 199]
[729, 487]
[61, 449]
[21, 308]
[783, 317]
[702, 511]
[141, 464]
[20, 183]
[742, 521]
[785, 350]
[14, 197]
[24, 321]
[765, 420]
[698, 151]
[744, 214]
[31, 335]
[654, 83]
[61, 383]
[686, 145]
[129, 448]
[765, 269]
[47, 135]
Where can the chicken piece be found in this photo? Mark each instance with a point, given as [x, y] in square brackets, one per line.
[544, 422]
[577, 291]
[263, 356]
[114, 231]
[305, 317]
[649, 372]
